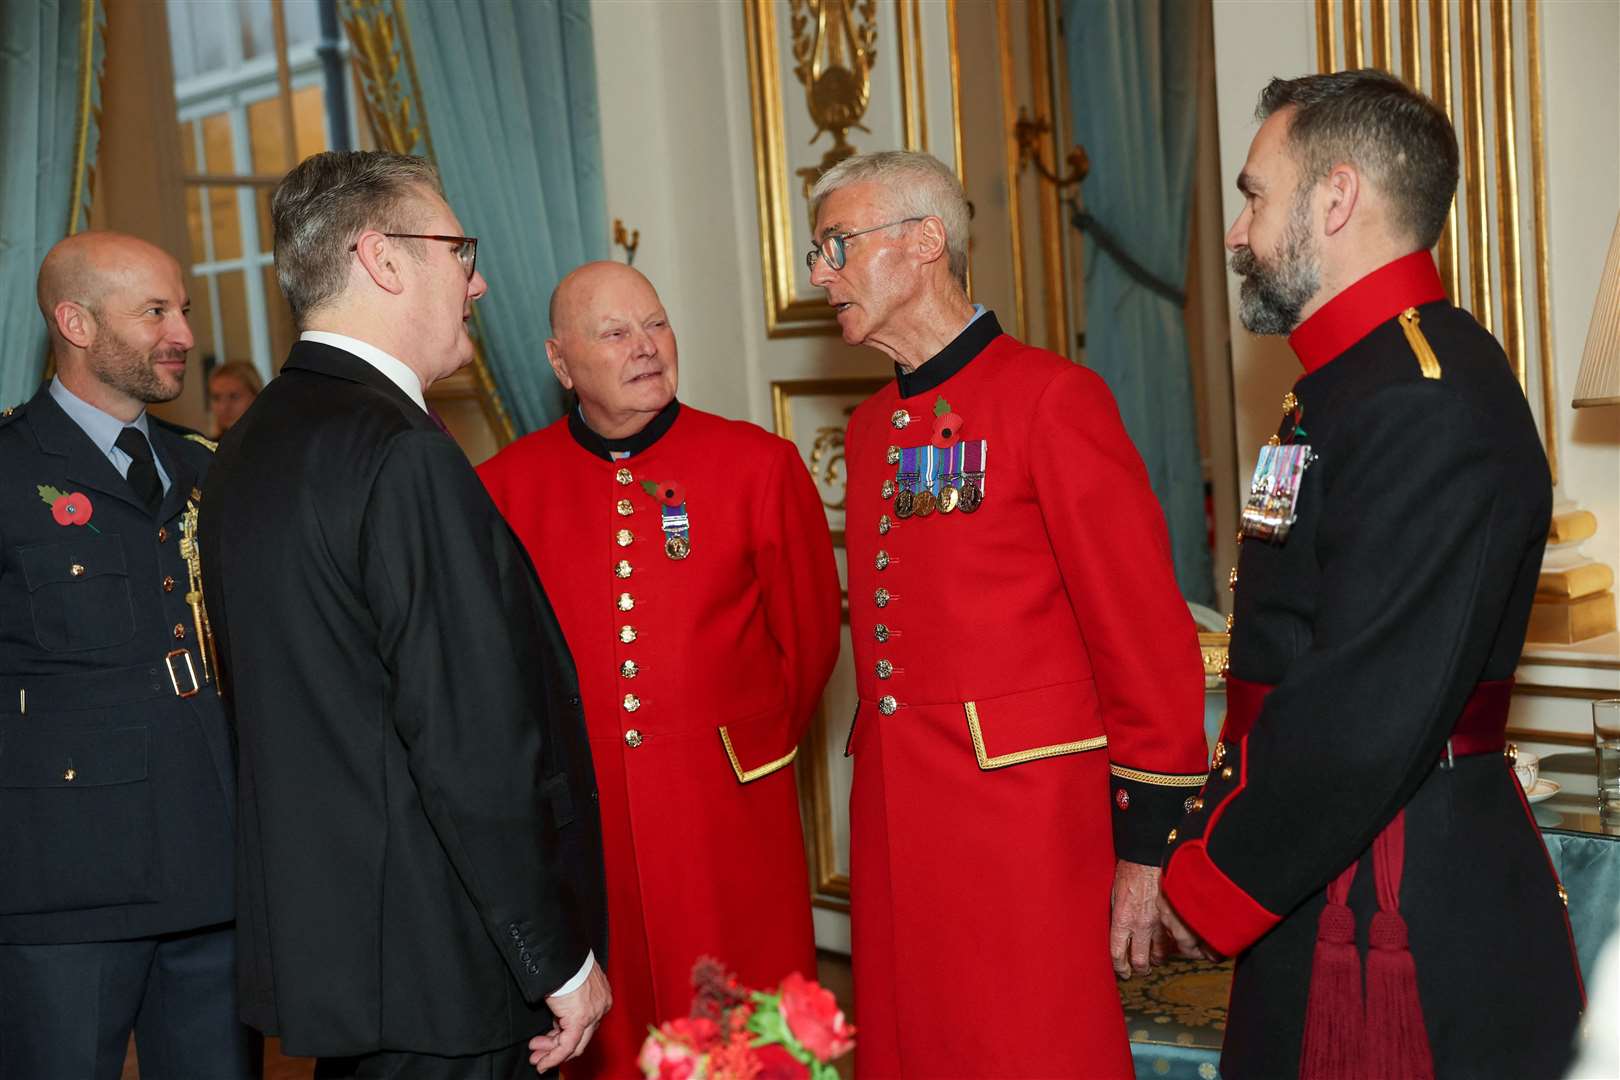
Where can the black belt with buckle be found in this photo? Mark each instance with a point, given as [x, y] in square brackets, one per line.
[176, 675]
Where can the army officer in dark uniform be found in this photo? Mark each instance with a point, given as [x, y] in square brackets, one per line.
[115, 761]
[1362, 845]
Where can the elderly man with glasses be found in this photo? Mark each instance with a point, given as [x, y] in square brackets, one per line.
[690, 562]
[421, 891]
[1030, 690]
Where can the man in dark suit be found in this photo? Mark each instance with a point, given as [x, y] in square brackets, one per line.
[420, 865]
[115, 759]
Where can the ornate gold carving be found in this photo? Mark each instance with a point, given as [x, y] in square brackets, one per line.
[387, 87]
[827, 461]
[835, 46]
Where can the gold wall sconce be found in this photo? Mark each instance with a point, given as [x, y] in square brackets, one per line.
[1029, 133]
[627, 239]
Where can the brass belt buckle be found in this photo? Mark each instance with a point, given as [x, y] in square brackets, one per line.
[174, 673]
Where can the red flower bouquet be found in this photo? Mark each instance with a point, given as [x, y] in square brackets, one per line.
[733, 1033]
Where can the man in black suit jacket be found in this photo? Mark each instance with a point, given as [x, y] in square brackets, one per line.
[115, 760]
[420, 869]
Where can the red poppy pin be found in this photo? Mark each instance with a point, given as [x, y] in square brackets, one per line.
[947, 424]
[668, 492]
[68, 508]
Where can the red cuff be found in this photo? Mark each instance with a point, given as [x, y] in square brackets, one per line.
[1207, 900]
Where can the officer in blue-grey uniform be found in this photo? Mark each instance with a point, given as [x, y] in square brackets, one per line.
[116, 771]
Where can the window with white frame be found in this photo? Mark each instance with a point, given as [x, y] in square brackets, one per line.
[259, 85]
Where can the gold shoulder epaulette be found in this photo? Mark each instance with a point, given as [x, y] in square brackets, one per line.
[203, 440]
[1420, 344]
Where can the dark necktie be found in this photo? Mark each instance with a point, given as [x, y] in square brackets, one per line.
[142, 475]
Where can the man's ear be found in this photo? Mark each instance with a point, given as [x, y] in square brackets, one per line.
[559, 366]
[380, 257]
[1343, 186]
[930, 243]
[75, 323]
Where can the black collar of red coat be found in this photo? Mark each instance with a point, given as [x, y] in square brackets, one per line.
[1409, 281]
[952, 358]
[630, 445]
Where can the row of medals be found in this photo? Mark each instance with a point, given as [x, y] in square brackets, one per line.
[959, 493]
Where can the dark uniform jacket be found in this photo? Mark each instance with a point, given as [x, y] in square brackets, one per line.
[1406, 580]
[115, 791]
[420, 852]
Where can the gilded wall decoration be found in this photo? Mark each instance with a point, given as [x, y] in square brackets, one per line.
[837, 86]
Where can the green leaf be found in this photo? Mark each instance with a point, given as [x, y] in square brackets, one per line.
[50, 494]
[650, 488]
[941, 406]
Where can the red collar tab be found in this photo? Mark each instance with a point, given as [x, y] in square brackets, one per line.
[1409, 281]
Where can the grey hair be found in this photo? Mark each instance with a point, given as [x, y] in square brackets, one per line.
[919, 185]
[327, 201]
[1397, 136]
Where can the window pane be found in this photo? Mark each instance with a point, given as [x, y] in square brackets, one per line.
[309, 120]
[236, 335]
[266, 135]
[258, 34]
[303, 21]
[218, 157]
[267, 232]
[224, 220]
[282, 333]
[194, 223]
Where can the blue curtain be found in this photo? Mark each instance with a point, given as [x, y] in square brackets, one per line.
[1133, 84]
[509, 93]
[42, 71]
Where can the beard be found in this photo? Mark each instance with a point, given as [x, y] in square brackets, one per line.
[125, 368]
[1273, 294]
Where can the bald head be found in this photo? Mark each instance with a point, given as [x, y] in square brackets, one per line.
[575, 293]
[116, 308]
[611, 344]
[86, 267]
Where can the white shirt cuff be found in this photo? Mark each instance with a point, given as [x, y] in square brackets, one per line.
[579, 979]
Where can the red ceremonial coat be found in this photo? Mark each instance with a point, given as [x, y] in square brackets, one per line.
[699, 676]
[1031, 706]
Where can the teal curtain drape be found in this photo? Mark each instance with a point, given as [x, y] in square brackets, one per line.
[509, 93]
[42, 73]
[1132, 76]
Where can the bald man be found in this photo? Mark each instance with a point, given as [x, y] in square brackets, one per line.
[691, 567]
[116, 777]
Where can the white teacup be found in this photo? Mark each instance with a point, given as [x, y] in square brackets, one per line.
[1527, 767]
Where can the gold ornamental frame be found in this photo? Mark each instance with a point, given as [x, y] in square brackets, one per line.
[829, 884]
[781, 247]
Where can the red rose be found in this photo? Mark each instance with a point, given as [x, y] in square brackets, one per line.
[775, 1063]
[698, 1032]
[813, 1016]
[947, 430]
[74, 509]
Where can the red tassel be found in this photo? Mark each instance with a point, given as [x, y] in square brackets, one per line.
[1397, 1042]
[1331, 1049]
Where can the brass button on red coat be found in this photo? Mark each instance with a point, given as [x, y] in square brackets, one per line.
[625, 602]
[179, 631]
[900, 418]
[623, 476]
[631, 703]
[882, 560]
[627, 634]
[621, 569]
[887, 705]
[888, 489]
[168, 584]
[884, 525]
[881, 598]
[884, 669]
[632, 738]
[625, 507]
[893, 455]
[881, 632]
[623, 538]
[629, 669]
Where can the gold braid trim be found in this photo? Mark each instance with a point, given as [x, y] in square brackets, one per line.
[746, 775]
[1018, 757]
[1420, 344]
[1159, 778]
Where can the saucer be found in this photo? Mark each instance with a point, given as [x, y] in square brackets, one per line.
[1544, 789]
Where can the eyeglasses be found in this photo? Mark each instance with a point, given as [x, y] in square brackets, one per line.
[831, 247]
[466, 247]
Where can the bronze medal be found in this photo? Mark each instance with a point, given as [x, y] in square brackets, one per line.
[677, 546]
[905, 503]
[949, 496]
[970, 496]
[925, 503]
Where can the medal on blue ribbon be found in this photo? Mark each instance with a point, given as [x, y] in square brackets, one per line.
[906, 478]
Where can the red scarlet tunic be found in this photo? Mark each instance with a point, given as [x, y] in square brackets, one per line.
[699, 676]
[1021, 669]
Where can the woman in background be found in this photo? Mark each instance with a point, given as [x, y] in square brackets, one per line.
[231, 389]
